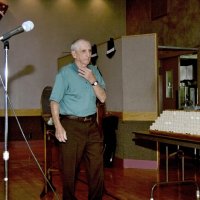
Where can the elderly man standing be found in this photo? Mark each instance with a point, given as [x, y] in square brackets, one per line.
[73, 106]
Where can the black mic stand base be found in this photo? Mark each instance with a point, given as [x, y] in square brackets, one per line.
[47, 188]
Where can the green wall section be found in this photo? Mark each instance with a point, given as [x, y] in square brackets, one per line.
[128, 148]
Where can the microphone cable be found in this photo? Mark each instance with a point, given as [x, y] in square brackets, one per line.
[22, 132]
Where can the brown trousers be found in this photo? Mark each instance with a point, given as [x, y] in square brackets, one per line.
[84, 141]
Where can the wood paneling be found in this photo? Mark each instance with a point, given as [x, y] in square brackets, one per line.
[32, 127]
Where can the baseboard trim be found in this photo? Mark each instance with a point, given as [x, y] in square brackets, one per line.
[137, 164]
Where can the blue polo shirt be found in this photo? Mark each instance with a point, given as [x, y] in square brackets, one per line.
[74, 93]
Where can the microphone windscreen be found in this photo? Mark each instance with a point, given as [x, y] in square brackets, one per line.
[28, 26]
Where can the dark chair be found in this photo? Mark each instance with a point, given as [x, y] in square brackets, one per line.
[109, 127]
[50, 142]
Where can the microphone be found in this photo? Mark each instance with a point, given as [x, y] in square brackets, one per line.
[26, 26]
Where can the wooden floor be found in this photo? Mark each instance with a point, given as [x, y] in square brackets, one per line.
[26, 181]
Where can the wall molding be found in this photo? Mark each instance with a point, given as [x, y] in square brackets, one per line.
[135, 164]
[125, 116]
[134, 116]
[22, 112]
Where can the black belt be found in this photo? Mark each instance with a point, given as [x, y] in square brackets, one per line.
[88, 118]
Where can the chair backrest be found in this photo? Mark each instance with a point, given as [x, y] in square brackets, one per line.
[45, 104]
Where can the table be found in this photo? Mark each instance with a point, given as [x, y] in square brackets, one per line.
[174, 139]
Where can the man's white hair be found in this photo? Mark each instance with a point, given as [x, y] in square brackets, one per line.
[76, 44]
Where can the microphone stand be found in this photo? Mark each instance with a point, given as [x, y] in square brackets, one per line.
[6, 153]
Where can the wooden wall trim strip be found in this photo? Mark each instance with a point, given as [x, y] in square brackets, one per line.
[125, 116]
[140, 116]
[134, 116]
[22, 112]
